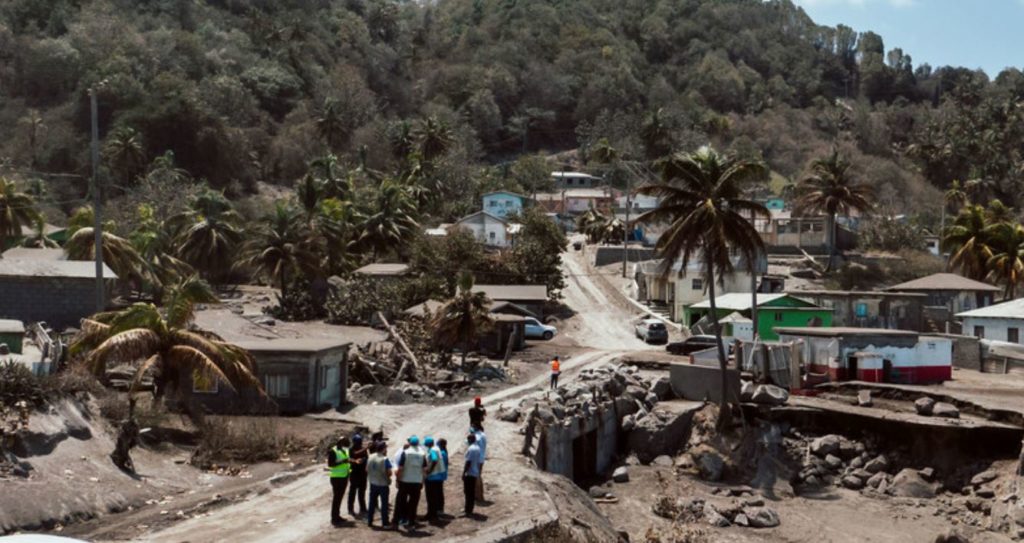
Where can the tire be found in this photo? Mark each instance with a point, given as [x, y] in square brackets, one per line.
[548, 335]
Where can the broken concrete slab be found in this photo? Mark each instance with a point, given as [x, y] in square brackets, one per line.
[700, 383]
[864, 398]
[947, 410]
[664, 431]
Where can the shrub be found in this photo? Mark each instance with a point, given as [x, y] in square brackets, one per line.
[19, 384]
[298, 304]
[356, 302]
[243, 439]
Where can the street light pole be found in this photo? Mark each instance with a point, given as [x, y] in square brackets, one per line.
[97, 223]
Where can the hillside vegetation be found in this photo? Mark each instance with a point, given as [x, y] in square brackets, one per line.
[243, 92]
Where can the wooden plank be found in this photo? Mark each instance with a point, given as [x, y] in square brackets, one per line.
[401, 342]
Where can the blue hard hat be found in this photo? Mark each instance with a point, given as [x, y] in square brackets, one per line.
[357, 438]
[414, 440]
[428, 441]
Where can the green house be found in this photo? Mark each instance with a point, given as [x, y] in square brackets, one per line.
[12, 332]
[773, 310]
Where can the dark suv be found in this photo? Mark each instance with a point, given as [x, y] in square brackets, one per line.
[691, 345]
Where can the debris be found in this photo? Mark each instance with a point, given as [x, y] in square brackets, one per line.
[879, 463]
[714, 518]
[927, 473]
[853, 482]
[833, 462]
[621, 475]
[984, 477]
[908, 483]
[947, 410]
[662, 388]
[875, 480]
[746, 391]
[598, 492]
[710, 464]
[741, 520]
[985, 492]
[762, 517]
[770, 395]
[825, 445]
[664, 461]
[864, 398]
[924, 406]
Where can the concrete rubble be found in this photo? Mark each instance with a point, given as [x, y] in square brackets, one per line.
[716, 513]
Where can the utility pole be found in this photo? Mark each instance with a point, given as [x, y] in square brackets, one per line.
[625, 227]
[97, 223]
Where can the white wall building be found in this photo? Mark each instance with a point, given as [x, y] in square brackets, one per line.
[489, 229]
[1000, 322]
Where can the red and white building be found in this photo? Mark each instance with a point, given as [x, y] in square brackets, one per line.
[874, 355]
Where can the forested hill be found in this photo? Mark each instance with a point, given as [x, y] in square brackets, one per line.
[251, 90]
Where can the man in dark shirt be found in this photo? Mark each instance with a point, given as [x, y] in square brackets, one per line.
[477, 413]
[357, 480]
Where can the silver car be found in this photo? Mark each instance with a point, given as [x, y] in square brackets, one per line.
[652, 331]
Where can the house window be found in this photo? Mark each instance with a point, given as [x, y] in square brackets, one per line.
[277, 386]
[492, 203]
[491, 235]
[697, 284]
[1013, 335]
[979, 331]
[778, 316]
[323, 377]
[204, 382]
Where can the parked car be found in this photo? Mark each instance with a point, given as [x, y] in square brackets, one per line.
[691, 345]
[577, 245]
[537, 329]
[652, 331]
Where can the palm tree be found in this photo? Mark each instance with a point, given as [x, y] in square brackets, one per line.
[702, 202]
[434, 138]
[831, 189]
[123, 153]
[656, 134]
[334, 223]
[35, 126]
[164, 170]
[118, 253]
[208, 233]
[967, 240]
[1006, 265]
[402, 139]
[281, 247]
[998, 212]
[38, 239]
[326, 170]
[17, 209]
[168, 349]
[389, 223]
[155, 244]
[463, 318]
[330, 125]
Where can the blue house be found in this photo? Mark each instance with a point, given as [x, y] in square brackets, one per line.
[503, 203]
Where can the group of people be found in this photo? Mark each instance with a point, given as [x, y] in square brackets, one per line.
[417, 468]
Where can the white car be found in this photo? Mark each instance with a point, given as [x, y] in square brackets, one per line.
[537, 329]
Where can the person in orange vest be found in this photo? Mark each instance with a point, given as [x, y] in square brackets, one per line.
[556, 367]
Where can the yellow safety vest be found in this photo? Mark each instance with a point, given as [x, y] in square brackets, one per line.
[340, 471]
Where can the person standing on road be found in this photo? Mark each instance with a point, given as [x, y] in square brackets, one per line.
[437, 472]
[442, 444]
[357, 480]
[556, 369]
[471, 473]
[378, 474]
[340, 466]
[477, 413]
[411, 470]
[481, 442]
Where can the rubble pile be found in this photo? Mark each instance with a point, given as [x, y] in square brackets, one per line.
[748, 512]
[834, 460]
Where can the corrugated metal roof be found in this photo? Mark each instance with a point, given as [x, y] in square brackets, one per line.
[11, 326]
[573, 175]
[1013, 309]
[842, 331]
[78, 269]
[297, 345]
[512, 293]
[944, 281]
[739, 301]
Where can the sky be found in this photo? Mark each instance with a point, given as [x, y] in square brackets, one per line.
[970, 33]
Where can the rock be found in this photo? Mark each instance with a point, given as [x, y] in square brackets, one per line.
[770, 395]
[714, 518]
[762, 517]
[864, 398]
[985, 492]
[651, 399]
[857, 463]
[597, 492]
[951, 536]
[662, 388]
[984, 477]
[833, 462]
[664, 461]
[924, 406]
[665, 431]
[861, 474]
[812, 480]
[509, 415]
[746, 391]
[637, 392]
[741, 520]
[615, 387]
[710, 464]
[620, 475]
[265, 321]
[879, 463]
[927, 473]
[849, 449]
[947, 410]
[853, 482]
[908, 483]
[825, 445]
[753, 502]
[628, 423]
[876, 479]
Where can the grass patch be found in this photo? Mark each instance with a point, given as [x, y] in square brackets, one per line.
[244, 440]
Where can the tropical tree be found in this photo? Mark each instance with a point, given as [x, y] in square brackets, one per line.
[832, 190]
[326, 170]
[708, 218]
[330, 125]
[966, 241]
[208, 233]
[1006, 265]
[124, 153]
[118, 253]
[17, 209]
[160, 343]
[463, 318]
[389, 221]
[154, 242]
[434, 139]
[37, 239]
[280, 248]
[656, 134]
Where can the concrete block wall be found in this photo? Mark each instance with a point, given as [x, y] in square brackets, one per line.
[60, 302]
[698, 383]
[612, 254]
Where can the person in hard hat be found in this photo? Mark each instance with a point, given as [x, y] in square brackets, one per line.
[556, 369]
[471, 472]
[378, 474]
[412, 466]
[437, 473]
[340, 467]
[477, 413]
[357, 480]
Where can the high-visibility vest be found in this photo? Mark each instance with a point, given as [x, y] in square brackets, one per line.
[554, 366]
[438, 468]
[412, 468]
[340, 471]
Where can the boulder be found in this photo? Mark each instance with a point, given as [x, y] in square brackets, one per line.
[598, 492]
[833, 462]
[762, 517]
[741, 520]
[615, 387]
[924, 406]
[825, 445]
[714, 518]
[664, 431]
[662, 388]
[849, 449]
[857, 463]
[664, 461]
[985, 492]
[637, 392]
[864, 398]
[927, 473]
[984, 477]
[877, 464]
[876, 479]
[710, 464]
[628, 423]
[853, 482]
[620, 475]
[770, 395]
[947, 410]
[908, 483]
[509, 415]
[746, 391]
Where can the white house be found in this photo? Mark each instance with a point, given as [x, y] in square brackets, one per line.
[1001, 322]
[681, 288]
[489, 229]
[569, 180]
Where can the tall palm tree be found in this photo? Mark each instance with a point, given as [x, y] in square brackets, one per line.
[708, 217]
[281, 248]
[330, 125]
[434, 139]
[389, 222]
[656, 134]
[463, 318]
[967, 241]
[335, 222]
[1006, 265]
[124, 154]
[164, 170]
[154, 241]
[208, 233]
[118, 253]
[832, 190]
[161, 343]
[326, 170]
[998, 212]
[17, 209]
